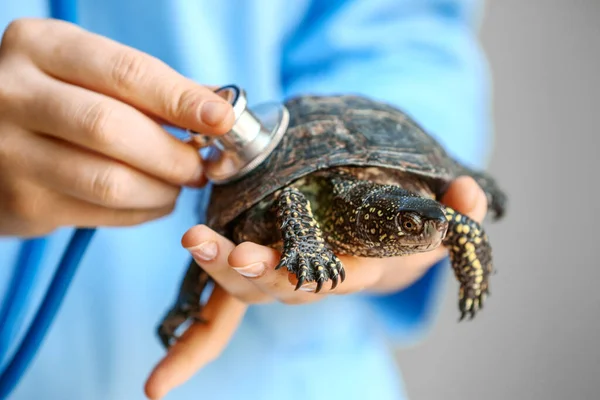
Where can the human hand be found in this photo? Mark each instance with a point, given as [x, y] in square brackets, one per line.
[80, 139]
[240, 285]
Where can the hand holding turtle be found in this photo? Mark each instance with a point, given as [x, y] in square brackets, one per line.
[247, 271]
[246, 275]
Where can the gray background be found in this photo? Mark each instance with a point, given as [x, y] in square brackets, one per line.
[538, 336]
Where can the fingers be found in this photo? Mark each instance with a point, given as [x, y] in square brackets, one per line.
[31, 211]
[211, 251]
[86, 176]
[467, 197]
[114, 129]
[257, 263]
[124, 73]
[199, 345]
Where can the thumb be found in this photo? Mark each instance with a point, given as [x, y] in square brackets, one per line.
[199, 345]
[466, 196]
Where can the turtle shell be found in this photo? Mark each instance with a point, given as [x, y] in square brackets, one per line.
[327, 131]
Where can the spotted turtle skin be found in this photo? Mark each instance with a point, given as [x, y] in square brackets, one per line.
[353, 176]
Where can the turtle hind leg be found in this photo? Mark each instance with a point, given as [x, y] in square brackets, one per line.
[496, 198]
[471, 259]
[188, 307]
[305, 252]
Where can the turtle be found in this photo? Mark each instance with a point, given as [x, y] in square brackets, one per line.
[352, 175]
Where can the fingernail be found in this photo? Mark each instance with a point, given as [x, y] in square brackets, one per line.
[252, 270]
[206, 251]
[213, 113]
[309, 287]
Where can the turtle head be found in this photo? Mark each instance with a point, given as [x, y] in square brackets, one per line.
[399, 222]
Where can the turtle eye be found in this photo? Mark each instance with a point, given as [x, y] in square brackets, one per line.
[411, 223]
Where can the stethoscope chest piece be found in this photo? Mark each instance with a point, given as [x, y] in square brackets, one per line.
[254, 135]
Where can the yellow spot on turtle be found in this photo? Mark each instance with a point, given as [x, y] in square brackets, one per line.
[479, 279]
[477, 264]
[462, 240]
[382, 237]
[457, 218]
[477, 240]
[372, 209]
[468, 303]
[469, 246]
[458, 228]
[466, 229]
[449, 217]
[380, 213]
[373, 231]
[366, 216]
[472, 256]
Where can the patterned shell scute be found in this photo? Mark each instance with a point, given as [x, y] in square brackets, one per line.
[328, 131]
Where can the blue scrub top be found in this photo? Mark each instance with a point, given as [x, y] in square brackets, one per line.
[421, 55]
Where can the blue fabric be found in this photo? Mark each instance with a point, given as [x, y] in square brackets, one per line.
[421, 55]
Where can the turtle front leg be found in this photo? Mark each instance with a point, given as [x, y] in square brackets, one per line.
[471, 258]
[304, 253]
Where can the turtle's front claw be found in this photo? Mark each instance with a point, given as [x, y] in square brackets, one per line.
[305, 253]
[312, 263]
[470, 305]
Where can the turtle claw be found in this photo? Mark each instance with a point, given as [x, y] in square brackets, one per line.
[305, 252]
[471, 305]
[334, 282]
[304, 262]
[319, 285]
[300, 283]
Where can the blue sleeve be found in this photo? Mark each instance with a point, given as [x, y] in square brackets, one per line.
[420, 55]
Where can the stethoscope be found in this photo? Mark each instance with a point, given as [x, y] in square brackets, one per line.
[255, 134]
